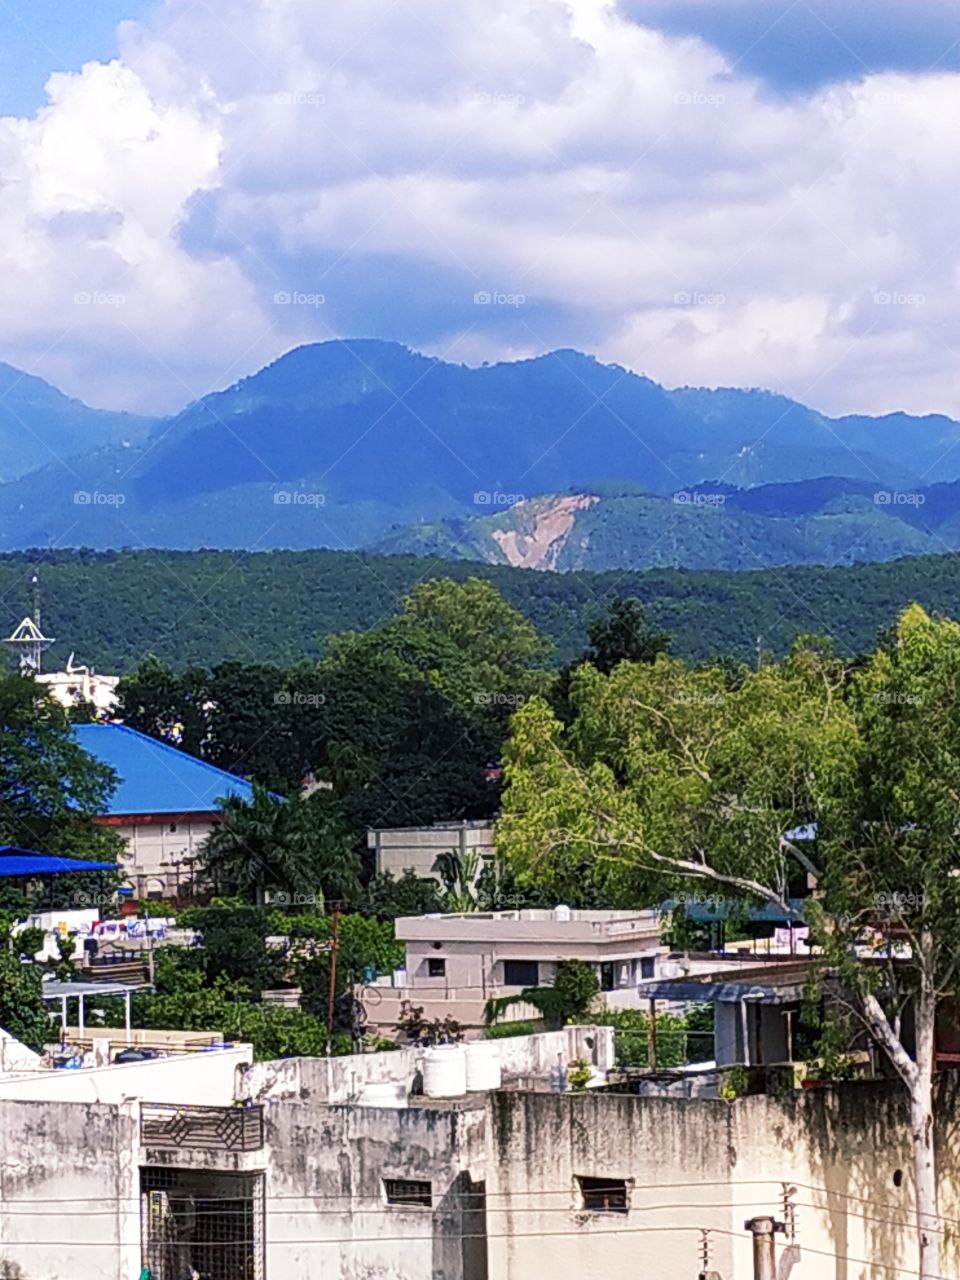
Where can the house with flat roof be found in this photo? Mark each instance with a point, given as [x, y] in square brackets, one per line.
[456, 963]
[165, 804]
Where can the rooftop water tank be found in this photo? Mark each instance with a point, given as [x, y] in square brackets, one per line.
[483, 1066]
[444, 1071]
[561, 913]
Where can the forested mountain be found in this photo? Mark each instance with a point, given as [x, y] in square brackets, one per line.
[203, 607]
[338, 444]
[707, 526]
[39, 426]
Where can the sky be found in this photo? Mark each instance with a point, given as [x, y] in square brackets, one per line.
[710, 192]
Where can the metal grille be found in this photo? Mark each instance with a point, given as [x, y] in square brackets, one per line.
[170, 1128]
[204, 1224]
[408, 1192]
[603, 1195]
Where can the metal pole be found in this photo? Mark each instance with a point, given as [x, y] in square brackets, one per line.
[652, 1055]
[334, 943]
[764, 1247]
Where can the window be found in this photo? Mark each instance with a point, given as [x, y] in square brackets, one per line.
[647, 966]
[436, 968]
[521, 973]
[606, 976]
[404, 1191]
[603, 1195]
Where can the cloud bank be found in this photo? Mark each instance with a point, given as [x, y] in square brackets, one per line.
[486, 182]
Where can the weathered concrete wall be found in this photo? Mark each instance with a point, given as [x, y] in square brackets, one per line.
[327, 1213]
[709, 1164]
[69, 1188]
[344, 1080]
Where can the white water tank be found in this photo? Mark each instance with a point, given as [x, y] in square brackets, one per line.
[444, 1071]
[561, 913]
[483, 1066]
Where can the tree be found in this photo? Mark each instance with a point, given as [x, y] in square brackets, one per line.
[22, 1011]
[51, 791]
[234, 947]
[458, 871]
[667, 774]
[297, 848]
[569, 999]
[387, 898]
[623, 634]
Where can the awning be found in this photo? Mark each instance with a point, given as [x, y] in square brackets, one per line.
[27, 862]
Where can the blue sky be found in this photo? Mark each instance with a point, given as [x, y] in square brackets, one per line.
[714, 192]
[38, 37]
[799, 45]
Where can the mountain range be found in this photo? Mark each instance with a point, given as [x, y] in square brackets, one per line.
[557, 461]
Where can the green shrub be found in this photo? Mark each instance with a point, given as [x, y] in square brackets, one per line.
[504, 1030]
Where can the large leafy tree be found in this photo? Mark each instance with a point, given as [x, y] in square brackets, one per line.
[51, 791]
[666, 774]
[297, 848]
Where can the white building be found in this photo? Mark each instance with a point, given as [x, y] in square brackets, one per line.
[456, 963]
[77, 684]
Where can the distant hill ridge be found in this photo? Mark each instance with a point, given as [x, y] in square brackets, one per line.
[365, 443]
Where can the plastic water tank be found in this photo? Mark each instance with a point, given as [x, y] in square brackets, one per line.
[561, 913]
[483, 1066]
[444, 1071]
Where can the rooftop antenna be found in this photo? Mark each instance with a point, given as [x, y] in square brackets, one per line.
[28, 640]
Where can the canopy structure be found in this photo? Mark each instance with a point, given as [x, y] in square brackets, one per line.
[27, 862]
[64, 991]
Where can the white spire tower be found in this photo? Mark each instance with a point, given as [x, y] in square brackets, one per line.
[28, 640]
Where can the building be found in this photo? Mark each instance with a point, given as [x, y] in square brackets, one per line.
[456, 963]
[399, 849]
[385, 1166]
[165, 805]
[78, 684]
[70, 687]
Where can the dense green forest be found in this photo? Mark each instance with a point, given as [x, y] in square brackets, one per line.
[202, 607]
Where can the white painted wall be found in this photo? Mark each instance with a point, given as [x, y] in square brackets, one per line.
[206, 1078]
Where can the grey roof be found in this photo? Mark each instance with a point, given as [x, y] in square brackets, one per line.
[720, 992]
[56, 989]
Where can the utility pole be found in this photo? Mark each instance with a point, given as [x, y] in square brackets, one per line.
[764, 1246]
[334, 944]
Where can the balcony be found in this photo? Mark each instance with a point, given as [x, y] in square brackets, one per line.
[172, 1128]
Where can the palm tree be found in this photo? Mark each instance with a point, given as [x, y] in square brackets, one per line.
[294, 847]
[458, 871]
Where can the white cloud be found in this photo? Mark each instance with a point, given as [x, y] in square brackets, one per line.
[396, 158]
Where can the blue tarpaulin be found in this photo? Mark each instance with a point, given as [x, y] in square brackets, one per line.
[27, 862]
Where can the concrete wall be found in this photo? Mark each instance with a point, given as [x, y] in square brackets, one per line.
[69, 1191]
[197, 1079]
[415, 848]
[327, 1214]
[702, 1163]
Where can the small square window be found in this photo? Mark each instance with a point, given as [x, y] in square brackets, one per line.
[603, 1195]
[403, 1191]
[436, 968]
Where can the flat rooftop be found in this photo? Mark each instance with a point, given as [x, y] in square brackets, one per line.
[558, 925]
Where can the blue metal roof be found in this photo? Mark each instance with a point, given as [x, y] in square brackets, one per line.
[155, 777]
[27, 862]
